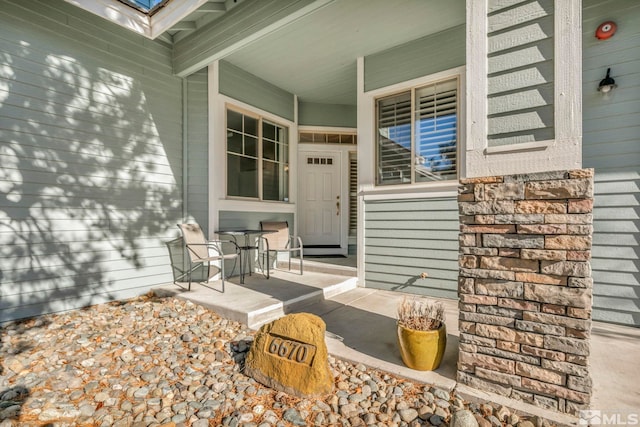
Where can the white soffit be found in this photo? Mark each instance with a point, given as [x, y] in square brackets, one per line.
[136, 21]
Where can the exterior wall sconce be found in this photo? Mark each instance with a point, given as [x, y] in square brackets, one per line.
[607, 84]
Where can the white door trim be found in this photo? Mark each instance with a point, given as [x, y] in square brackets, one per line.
[343, 155]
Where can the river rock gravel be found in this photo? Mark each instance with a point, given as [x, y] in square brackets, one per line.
[166, 362]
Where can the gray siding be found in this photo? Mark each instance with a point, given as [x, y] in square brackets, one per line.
[405, 238]
[198, 149]
[611, 144]
[90, 148]
[520, 42]
[243, 86]
[313, 114]
[422, 57]
[230, 220]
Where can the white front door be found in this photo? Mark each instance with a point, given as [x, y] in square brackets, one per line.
[321, 206]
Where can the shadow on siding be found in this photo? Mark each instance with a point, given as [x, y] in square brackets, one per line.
[87, 190]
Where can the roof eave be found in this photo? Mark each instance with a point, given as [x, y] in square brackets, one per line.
[137, 21]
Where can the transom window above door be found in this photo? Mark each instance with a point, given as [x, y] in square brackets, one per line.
[257, 157]
[417, 134]
[327, 138]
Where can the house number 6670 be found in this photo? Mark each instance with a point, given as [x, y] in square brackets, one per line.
[290, 350]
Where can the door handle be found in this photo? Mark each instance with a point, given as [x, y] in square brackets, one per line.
[338, 206]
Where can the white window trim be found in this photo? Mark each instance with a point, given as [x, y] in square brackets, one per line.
[260, 119]
[565, 150]
[327, 129]
[367, 132]
[218, 200]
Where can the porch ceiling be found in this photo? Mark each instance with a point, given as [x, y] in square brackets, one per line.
[315, 56]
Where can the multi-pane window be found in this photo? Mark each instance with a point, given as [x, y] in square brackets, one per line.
[417, 138]
[327, 138]
[257, 158]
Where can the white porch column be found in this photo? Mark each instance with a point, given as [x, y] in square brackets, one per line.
[524, 80]
[217, 166]
[366, 162]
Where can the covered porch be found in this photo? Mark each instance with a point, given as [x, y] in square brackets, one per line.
[110, 140]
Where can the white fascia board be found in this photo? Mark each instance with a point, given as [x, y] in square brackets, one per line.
[118, 13]
[136, 21]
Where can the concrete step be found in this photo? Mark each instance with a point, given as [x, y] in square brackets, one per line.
[319, 267]
[266, 314]
[259, 300]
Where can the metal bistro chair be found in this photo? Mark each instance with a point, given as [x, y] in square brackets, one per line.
[199, 250]
[281, 241]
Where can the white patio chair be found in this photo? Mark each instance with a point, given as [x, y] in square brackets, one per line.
[281, 241]
[202, 251]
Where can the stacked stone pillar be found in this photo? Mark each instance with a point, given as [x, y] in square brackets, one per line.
[525, 286]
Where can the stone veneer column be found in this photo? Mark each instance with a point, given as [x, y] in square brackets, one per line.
[525, 286]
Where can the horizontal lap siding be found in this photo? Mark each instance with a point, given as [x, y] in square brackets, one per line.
[91, 155]
[405, 238]
[416, 59]
[243, 86]
[314, 114]
[242, 220]
[611, 144]
[520, 67]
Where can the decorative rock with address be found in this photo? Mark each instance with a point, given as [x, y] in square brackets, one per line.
[290, 355]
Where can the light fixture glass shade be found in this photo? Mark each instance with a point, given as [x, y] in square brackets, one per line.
[607, 83]
[606, 88]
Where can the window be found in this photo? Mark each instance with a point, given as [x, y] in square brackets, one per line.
[257, 158]
[417, 138]
[327, 138]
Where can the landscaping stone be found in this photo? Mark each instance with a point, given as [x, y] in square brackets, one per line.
[177, 382]
[463, 418]
[290, 354]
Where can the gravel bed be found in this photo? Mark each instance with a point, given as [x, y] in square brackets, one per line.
[166, 362]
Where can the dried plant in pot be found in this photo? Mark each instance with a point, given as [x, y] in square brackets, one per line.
[422, 334]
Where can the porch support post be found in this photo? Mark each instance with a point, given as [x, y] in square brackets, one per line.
[293, 165]
[525, 204]
[365, 162]
[185, 149]
[476, 89]
[217, 166]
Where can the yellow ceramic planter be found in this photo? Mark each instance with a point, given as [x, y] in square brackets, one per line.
[422, 350]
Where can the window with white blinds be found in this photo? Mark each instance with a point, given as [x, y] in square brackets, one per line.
[417, 139]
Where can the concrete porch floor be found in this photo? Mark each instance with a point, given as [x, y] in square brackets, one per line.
[361, 328]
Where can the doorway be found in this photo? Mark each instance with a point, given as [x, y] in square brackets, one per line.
[323, 203]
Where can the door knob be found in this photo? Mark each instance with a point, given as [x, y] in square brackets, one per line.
[338, 208]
